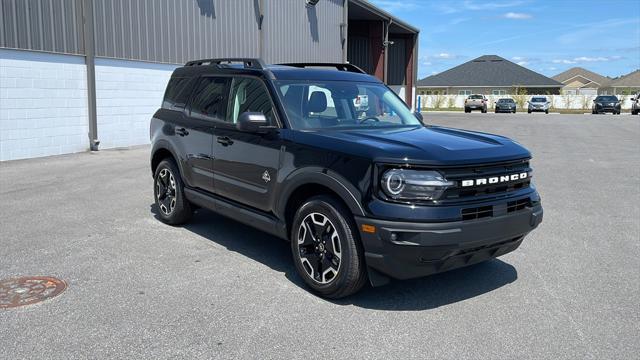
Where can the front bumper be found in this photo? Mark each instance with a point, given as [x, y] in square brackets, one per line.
[406, 250]
[536, 109]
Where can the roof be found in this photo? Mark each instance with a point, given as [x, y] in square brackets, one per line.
[565, 76]
[630, 80]
[379, 13]
[488, 70]
[276, 72]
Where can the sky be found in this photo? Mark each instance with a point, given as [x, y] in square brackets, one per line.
[546, 36]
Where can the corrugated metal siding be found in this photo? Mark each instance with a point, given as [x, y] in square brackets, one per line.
[397, 62]
[45, 25]
[359, 52]
[175, 31]
[295, 33]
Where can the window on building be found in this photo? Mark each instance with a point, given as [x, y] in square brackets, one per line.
[499, 92]
[464, 92]
[250, 95]
[209, 101]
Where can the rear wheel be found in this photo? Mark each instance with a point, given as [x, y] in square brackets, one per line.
[326, 248]
[168, 191]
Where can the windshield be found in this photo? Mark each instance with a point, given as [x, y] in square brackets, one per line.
[606, 98]
[539, 99]
[505, 100]
[340, 104]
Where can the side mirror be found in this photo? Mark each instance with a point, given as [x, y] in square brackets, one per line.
[254, 122]
[633, 99]
[418, 116]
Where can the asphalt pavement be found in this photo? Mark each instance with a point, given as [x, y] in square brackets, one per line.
[217, 289]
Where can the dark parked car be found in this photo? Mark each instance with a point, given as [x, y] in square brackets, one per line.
[505, 105]
[606, 103]
[361, 194]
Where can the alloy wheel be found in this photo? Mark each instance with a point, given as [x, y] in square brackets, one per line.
[319, 248]
[166, 191]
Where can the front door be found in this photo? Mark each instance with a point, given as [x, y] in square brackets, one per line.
[246, 164]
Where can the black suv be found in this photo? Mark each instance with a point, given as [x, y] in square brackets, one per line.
[362, 193]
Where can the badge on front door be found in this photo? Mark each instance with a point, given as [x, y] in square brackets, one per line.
[265, 176]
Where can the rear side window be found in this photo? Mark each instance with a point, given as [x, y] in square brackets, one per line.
[178, 92]
[249, 95]
[210, 98]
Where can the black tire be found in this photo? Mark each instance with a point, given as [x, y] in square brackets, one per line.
[496, 111]
[514, 111]
[168, 193]
[529, 111]
[634, 112]
[484, 111]
[326, 218]
[546, 111]
[467, 110]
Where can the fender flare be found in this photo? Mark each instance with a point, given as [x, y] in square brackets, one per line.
[316, 175]
[163, 144]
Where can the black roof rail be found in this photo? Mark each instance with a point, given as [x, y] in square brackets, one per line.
[339, 66]
[249, 63]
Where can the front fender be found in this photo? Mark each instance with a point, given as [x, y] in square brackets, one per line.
[351, 196]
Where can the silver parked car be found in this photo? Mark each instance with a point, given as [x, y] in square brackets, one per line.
[538, 103]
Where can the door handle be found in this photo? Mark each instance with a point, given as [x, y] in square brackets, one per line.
[181, 131]
[224, 140]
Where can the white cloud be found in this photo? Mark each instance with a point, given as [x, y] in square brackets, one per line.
[584, 59]
[523, 63]
[518, 58]
[516, 16]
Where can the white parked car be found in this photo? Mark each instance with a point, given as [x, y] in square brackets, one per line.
[538, 103]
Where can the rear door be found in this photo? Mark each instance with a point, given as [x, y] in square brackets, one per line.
[246, 164]
[195, 129]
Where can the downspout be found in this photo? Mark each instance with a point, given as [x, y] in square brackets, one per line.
[385, 46]
[89, 58]
[260, 32]
[345, 30]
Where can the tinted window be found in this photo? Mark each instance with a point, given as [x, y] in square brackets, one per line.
[210, 98]
[505, 101]
[178, 91]
[249, 95]
[539, 99]
[607, 98]
[476, 97]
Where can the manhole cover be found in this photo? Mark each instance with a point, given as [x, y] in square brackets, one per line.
[29, 290]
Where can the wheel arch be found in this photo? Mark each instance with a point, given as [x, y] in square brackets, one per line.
[318, 182]
[162, 150]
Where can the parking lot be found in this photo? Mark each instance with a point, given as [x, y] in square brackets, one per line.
[217, 289]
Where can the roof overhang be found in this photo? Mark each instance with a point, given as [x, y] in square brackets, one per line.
[363, 10]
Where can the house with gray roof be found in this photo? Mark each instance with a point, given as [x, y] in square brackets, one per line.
[625, 85]
[580, 81]
[489, 75]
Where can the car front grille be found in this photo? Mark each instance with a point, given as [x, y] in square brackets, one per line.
[461, 193]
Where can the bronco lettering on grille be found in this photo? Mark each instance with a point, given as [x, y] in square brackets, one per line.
[494, 179]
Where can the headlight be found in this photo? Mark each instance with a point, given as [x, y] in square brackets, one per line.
[401, 184]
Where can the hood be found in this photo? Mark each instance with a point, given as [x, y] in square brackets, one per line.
[418, 145]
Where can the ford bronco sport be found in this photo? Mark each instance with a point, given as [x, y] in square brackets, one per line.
[363, 193]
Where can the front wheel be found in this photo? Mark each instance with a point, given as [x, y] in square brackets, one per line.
[168, 191]
[546, 111]
[326, 248]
